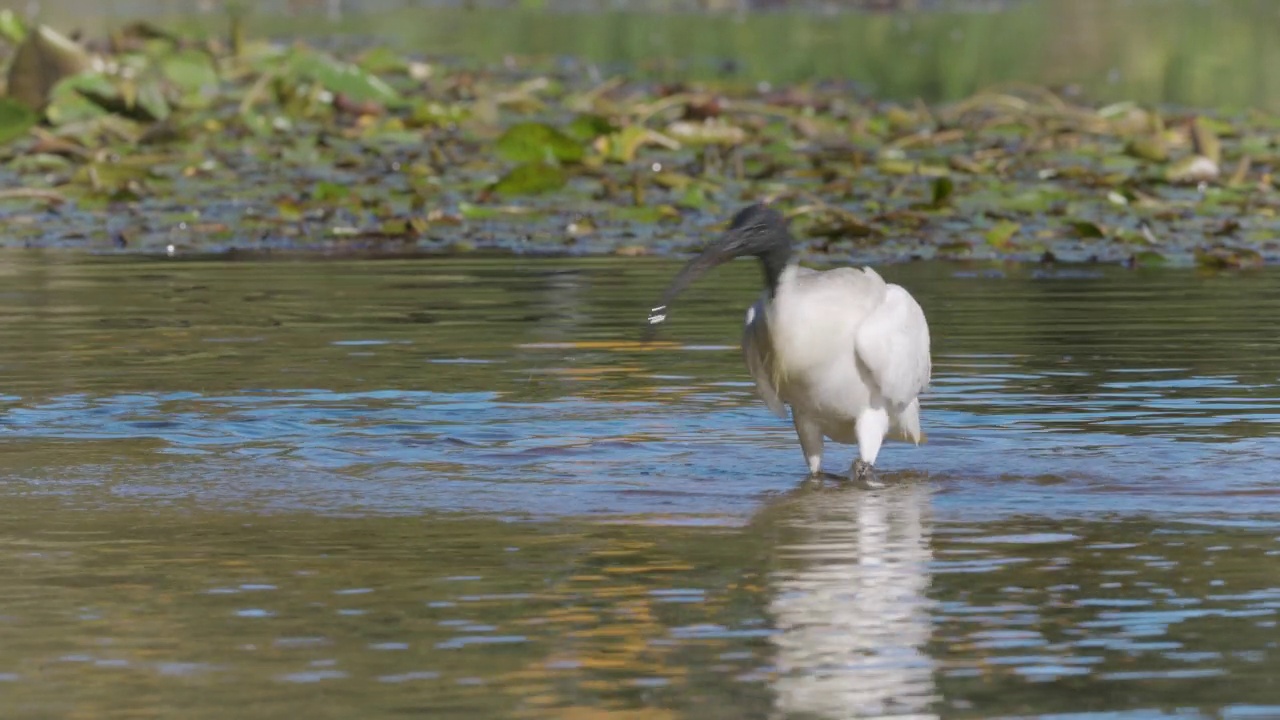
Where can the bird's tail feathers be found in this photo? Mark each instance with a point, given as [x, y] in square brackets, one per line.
[906, 425]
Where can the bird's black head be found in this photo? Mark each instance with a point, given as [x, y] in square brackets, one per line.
[757, 230]
[761, 231]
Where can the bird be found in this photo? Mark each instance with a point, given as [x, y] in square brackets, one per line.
[847, 351]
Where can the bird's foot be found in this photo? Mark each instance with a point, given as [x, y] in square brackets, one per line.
[864, 474]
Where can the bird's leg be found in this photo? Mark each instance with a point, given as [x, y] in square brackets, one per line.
[872, 425]
[864, 473]
[810, 442]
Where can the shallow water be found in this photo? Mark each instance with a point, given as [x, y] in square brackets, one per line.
[459, 488]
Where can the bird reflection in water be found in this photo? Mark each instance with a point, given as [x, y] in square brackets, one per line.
[849, 603]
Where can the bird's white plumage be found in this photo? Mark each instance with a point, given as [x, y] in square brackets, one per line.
[846, 350]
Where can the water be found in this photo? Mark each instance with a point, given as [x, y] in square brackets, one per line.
[459, 488]
[1184, 52]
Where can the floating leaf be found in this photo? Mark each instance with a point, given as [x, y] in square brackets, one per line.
[402, 227]
[957, 248]
[469, 211]
[623, 145]
[487, 212]
[40, 62]
[341, 77]
[113, 177]
[1001, 235]
[900, 118]
[1221, 128]
[896, 166]
[836, 223]
[12, 27]
[1087, 229]
[38, 162]
[150, 100]
[645, 213]
[588, 127]
[537, 142]
[145, 31]
[1147, 258]
[326, 191]
[1222, 257]
[943, 188]
[672, 180]
[257, 124]
[695, 197]
[1229, 227]
[1142, 235]
[1148, 148]
[68, 105]
[381, 60]
[531, 178]
[191, 71]
[965, 164]
[289, 210]
[426, 114]
[16, 120]
[1118, 110]
[1193, 169]
[138, 100]
[1032, 200]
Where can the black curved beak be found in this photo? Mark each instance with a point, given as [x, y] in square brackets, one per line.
[726, 248]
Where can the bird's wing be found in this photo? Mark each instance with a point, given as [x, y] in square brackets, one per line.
[893, 344]
[757, 351]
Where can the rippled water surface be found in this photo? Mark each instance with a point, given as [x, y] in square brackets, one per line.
[459, 489]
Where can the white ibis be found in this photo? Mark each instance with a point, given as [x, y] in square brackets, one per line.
[846, 350]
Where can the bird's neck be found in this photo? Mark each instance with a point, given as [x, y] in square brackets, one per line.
[774, 262]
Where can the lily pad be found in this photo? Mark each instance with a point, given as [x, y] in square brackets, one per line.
[382, 60]
[1001, 236]
[896, 166]
[587, 127]
[341, 77]
[141, 99]
[531, 178]
[644, 213]
[1148, 148]
[116, 177]
[538, 142]
[943, 188]
[1148, 258]
[1193, 169]
[372, 144]
[191, 71]
[623, 145]
[16, 120]
[67, 104]
[1087, 229]
[1222, 257]
[326, 191]
[12, 27]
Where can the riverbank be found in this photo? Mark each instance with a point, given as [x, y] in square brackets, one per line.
[155, 142]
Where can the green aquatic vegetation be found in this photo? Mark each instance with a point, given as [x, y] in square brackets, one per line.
[296, 148]
[16, 120]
